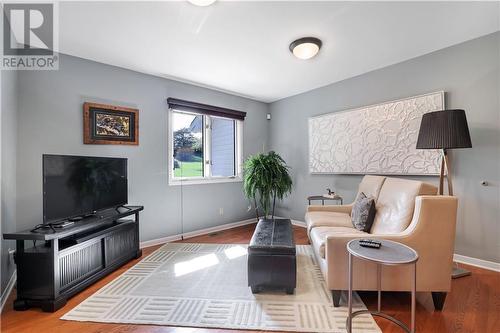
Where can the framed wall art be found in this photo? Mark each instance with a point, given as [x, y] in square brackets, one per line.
[109, 124]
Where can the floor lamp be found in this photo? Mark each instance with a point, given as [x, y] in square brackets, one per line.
[445, 130]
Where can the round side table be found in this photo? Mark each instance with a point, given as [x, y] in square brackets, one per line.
[390, 253]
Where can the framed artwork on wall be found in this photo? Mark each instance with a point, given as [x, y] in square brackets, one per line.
[110, 125]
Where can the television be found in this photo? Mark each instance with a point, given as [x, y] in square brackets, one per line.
[78, 186]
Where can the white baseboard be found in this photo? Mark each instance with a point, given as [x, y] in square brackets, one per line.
[159, 241]
[490, 265]
[299, 224]
[206, 231]
[8, 289]
[195, 233]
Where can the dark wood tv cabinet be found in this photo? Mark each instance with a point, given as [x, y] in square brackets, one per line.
[55, 265]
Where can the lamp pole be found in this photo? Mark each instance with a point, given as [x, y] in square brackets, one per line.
[445, 164]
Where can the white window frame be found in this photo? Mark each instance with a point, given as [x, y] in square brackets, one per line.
[207, 178]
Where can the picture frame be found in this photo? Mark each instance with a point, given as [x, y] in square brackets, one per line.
[110, 125]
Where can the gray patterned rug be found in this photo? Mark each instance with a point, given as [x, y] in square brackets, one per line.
[205, 285]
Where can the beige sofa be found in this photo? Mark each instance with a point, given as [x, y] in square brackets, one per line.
[407, 211]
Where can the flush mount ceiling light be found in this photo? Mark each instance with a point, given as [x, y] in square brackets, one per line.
[201, 3]
[305, 48]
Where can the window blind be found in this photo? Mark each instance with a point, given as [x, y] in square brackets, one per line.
[183, 105]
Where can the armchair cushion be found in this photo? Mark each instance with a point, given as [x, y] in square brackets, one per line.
[319, 235]
[371, 186]
[396, 204]
[327, 219]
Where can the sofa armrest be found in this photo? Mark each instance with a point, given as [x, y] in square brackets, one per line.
[330, 208]
[431, 233]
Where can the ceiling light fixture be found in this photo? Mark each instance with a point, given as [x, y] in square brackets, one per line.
[201, 3]
[305, 48]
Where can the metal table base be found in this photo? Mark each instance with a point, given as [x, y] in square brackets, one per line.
[379, 313]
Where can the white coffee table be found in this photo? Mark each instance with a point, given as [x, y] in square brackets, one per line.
[390, 254]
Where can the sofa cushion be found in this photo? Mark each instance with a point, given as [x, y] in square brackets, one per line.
[327, 219]
[371, 185]
[396, 203]
[319, 235]
[363, 212]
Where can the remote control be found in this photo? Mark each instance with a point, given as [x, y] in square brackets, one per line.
[370, 243]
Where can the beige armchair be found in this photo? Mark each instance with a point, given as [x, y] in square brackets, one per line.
[408, 212]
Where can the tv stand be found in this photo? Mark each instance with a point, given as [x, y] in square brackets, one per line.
[55, 264]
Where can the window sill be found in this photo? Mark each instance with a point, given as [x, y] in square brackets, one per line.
[200, 181]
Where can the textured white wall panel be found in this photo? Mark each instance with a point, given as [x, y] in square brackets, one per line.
[376, 139]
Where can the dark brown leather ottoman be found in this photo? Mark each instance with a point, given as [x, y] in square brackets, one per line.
[272, 260]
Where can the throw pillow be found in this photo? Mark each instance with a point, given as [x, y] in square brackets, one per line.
[363, 212]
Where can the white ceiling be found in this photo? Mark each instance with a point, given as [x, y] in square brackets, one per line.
[242, 47]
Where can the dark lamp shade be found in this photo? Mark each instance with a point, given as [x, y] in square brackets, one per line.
[445, 129]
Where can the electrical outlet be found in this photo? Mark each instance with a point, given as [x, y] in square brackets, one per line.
[221, 211]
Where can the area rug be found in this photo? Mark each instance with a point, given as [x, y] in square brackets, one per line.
[205, 285]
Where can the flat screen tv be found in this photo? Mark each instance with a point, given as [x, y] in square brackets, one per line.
[77, 186]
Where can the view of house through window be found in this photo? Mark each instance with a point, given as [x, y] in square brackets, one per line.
[203, 146]
[223, 147]
[188, 144]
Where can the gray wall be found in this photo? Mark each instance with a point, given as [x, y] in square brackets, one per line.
[9, 81]
[469, 74]
[50, 111]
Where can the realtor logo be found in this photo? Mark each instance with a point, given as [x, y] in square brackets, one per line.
[29, 36]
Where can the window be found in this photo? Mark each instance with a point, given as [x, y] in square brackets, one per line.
[204, 147]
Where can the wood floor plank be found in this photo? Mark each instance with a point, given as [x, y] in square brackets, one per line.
[473, 305]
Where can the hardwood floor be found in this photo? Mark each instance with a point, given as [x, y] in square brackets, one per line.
[473, 305]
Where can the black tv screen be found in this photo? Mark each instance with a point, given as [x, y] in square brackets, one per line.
[80, 185]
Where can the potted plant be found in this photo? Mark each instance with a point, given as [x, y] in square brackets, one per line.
[265, 179]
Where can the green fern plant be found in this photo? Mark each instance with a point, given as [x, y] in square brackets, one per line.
[265, 179]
